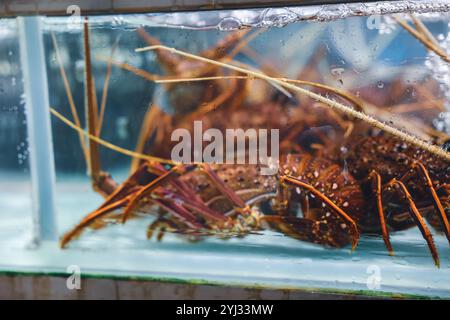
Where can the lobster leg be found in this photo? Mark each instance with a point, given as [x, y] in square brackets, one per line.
[354, 232]
[229, 193]
[168, 60]
[194, 205]
[130, 186]
[178, 67]
[148, 127]
[92, 218]
[375, 176]
[162, 225]
[180, 225]
[116, 200]
[101, 181]
[185, 195]
[185, 216]
[219, 51]
[417, 217]
[92, 115]
[421, 170]
[172, 225]
[182, 188]
[176, 171]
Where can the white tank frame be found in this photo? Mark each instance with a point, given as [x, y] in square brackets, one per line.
[40, 143]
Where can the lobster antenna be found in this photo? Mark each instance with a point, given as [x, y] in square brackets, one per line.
[69, 95]
[105, 87]
[357, 102]
[123, 65]
[176, 80]
[109, 145]
[155, 78]
[333, 104]
[91, 106]
[360, 104]
[423, 28]
[422, 37]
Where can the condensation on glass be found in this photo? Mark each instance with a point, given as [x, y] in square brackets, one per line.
[357, 56]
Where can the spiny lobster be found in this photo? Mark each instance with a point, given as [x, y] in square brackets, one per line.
[222, 199]
[335, 207]
[336, 204]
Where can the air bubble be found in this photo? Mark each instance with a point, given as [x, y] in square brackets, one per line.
[229, 24]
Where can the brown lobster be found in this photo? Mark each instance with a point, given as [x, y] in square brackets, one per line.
[405, 182]
[222, 199]
[337, 200]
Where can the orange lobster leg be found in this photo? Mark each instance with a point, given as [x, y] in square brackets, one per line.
[196, 204]
[417, 217]
[229, 193]
[91, 218]
[149, 188]
[377, 185]
[437, 203]
[178, 211]
[163, 225]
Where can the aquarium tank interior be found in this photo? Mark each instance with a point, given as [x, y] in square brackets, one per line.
[303, 147]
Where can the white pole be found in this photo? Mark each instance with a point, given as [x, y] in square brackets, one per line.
[40, 143]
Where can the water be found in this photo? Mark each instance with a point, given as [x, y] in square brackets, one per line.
[351, 48]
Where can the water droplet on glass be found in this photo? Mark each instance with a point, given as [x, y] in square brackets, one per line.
[337, 71]
[446, 146]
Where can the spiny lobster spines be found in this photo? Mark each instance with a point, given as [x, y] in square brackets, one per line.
[407, 184]
[327, 177]
[244, 180]
[392, 157]
[224, 200]
[299, 128]
[331, 200]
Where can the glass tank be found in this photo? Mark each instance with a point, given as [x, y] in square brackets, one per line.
[296, 148]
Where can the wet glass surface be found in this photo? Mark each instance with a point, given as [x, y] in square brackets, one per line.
[371, 64]
[15, 194]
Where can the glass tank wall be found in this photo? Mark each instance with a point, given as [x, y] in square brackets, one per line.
[15, 197]
[350, 102]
